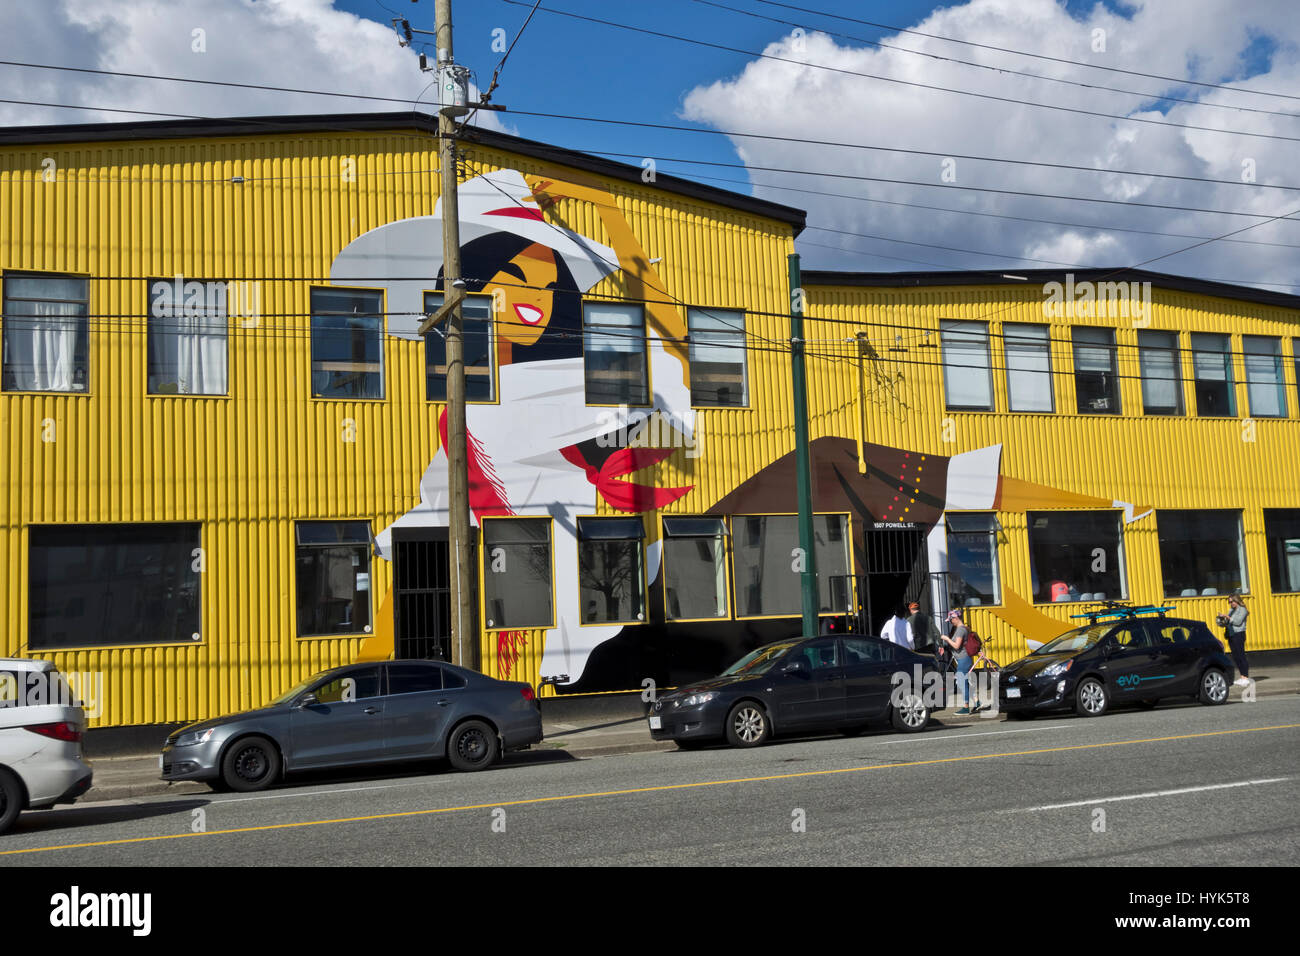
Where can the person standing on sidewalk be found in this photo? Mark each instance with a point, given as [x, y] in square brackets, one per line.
[897, 629]
[923, 631]
[1234, 627]
[956, 642]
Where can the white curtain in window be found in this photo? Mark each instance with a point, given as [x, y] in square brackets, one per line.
[1029, 368]
[966, 371]
[201, 353]
[42, 347]
[1209, 357]
[1159, 378]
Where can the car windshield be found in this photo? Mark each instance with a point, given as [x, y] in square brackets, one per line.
[291, 694]
[756, 662]
[1080, 639]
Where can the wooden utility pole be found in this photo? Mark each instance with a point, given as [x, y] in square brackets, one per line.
[462, 567]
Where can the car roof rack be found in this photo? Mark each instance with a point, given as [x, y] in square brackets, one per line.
[1118, 610]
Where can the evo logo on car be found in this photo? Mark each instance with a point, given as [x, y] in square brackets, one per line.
[1133, 680]
[76, 909]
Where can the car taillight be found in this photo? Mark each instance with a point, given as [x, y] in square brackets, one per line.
[61, 730]
[527, 692]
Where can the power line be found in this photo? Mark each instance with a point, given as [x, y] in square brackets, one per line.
[913, 83]
[1002, 69]
[1182, 81]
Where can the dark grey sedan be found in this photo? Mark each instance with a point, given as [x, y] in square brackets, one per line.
[357, 715]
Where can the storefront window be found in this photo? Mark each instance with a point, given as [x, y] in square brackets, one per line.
[973, 560]
[1282, 534]
[611, 570]
[695, 568]
[1076, 556]
[1201, 552]
[333, 566]
[113, 585]
[517, 573]
[768, 582]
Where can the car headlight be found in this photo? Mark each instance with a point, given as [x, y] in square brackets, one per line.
[696, 699]
[195, 737]
[1056, 670]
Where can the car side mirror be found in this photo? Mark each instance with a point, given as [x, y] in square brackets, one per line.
[306, 700]
[796, 667]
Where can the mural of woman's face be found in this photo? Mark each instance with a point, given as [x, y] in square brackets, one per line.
[528, 310]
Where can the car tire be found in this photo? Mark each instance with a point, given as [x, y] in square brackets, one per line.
[473, 746]
[250, 764]
[911, 716]
[1214, 687]
[748, 724]
[11, 799]
[1090, 698]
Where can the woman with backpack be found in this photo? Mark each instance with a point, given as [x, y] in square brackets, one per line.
[967, 647]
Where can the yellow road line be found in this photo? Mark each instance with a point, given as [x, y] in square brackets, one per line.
[663, 787]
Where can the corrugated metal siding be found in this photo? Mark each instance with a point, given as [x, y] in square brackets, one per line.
[1180, 462]
[247, 466]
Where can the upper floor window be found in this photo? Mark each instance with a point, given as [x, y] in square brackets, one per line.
[1096, 380]
[1212, 363]
[614, 354]
[967, 371]
[347, 343]
[1265, 384]
[1162, 380]
[719, 372]
[1029, 368]
[46, 333]
[476, 347]
[187, 337]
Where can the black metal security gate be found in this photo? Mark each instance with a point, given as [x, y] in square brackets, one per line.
[422, 610]
[893, 569]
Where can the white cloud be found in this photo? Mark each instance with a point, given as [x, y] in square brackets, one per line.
[302, 44]
[1204, 39]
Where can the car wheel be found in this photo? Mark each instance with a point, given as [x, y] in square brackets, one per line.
[910, 715]
[473, 746]
[251, 763]
[11, 799]
[1214, 687]
[747, 725]
[1090, 698]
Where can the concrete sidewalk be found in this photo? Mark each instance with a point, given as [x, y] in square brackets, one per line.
[622, 730]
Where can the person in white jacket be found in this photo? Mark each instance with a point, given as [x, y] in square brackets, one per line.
[899, 630]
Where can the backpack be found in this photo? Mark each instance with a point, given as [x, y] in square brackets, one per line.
[973, 643]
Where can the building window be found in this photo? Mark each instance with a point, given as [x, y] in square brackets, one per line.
[695, 568]
[973, 578]
[1029, 368]
[1076, 556]
[766, 583]
[476, 347]
[46, 333]
[967, 370]
[113, 585]
[1265, 384]
[517, 573]
[333, 564]
[1282, 537]
[719, 372]
[187, 337]
[614, 354]
[1096, 380]
[1201, 552]
[1162, 380]
[1212, 362]
[611, 570]
[347, 343]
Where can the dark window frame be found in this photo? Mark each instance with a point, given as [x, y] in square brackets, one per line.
[1109, 382]
[151, 387]
[436, 337]
[1179, 408]
[81, 348]
[1279, 382]
[974, 524]
[1184, 549]
[496, 521]
[694, 337]
[964, 342]
[636, 334]
[692, 527]
[1280, 545]
[378, 333]
[586, 526]
[1121, 556]
[1229, 385]
[1020, 342]
[356, 542]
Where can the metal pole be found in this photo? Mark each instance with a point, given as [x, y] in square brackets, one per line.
[462, 577]
[803, 477]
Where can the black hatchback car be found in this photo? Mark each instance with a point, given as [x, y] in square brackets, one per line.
[802, 685]
[1135, 659]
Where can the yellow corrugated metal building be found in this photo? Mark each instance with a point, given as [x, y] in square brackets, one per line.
[221, 427]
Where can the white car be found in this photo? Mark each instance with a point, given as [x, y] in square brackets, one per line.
[41, 723]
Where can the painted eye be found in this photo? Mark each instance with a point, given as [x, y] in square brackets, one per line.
[529, 314]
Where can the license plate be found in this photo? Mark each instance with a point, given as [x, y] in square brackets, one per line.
[656, 723]
[1013, 691]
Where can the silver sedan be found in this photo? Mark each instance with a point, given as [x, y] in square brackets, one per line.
[358, 715]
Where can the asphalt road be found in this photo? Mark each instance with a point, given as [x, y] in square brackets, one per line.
[1181, 785]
